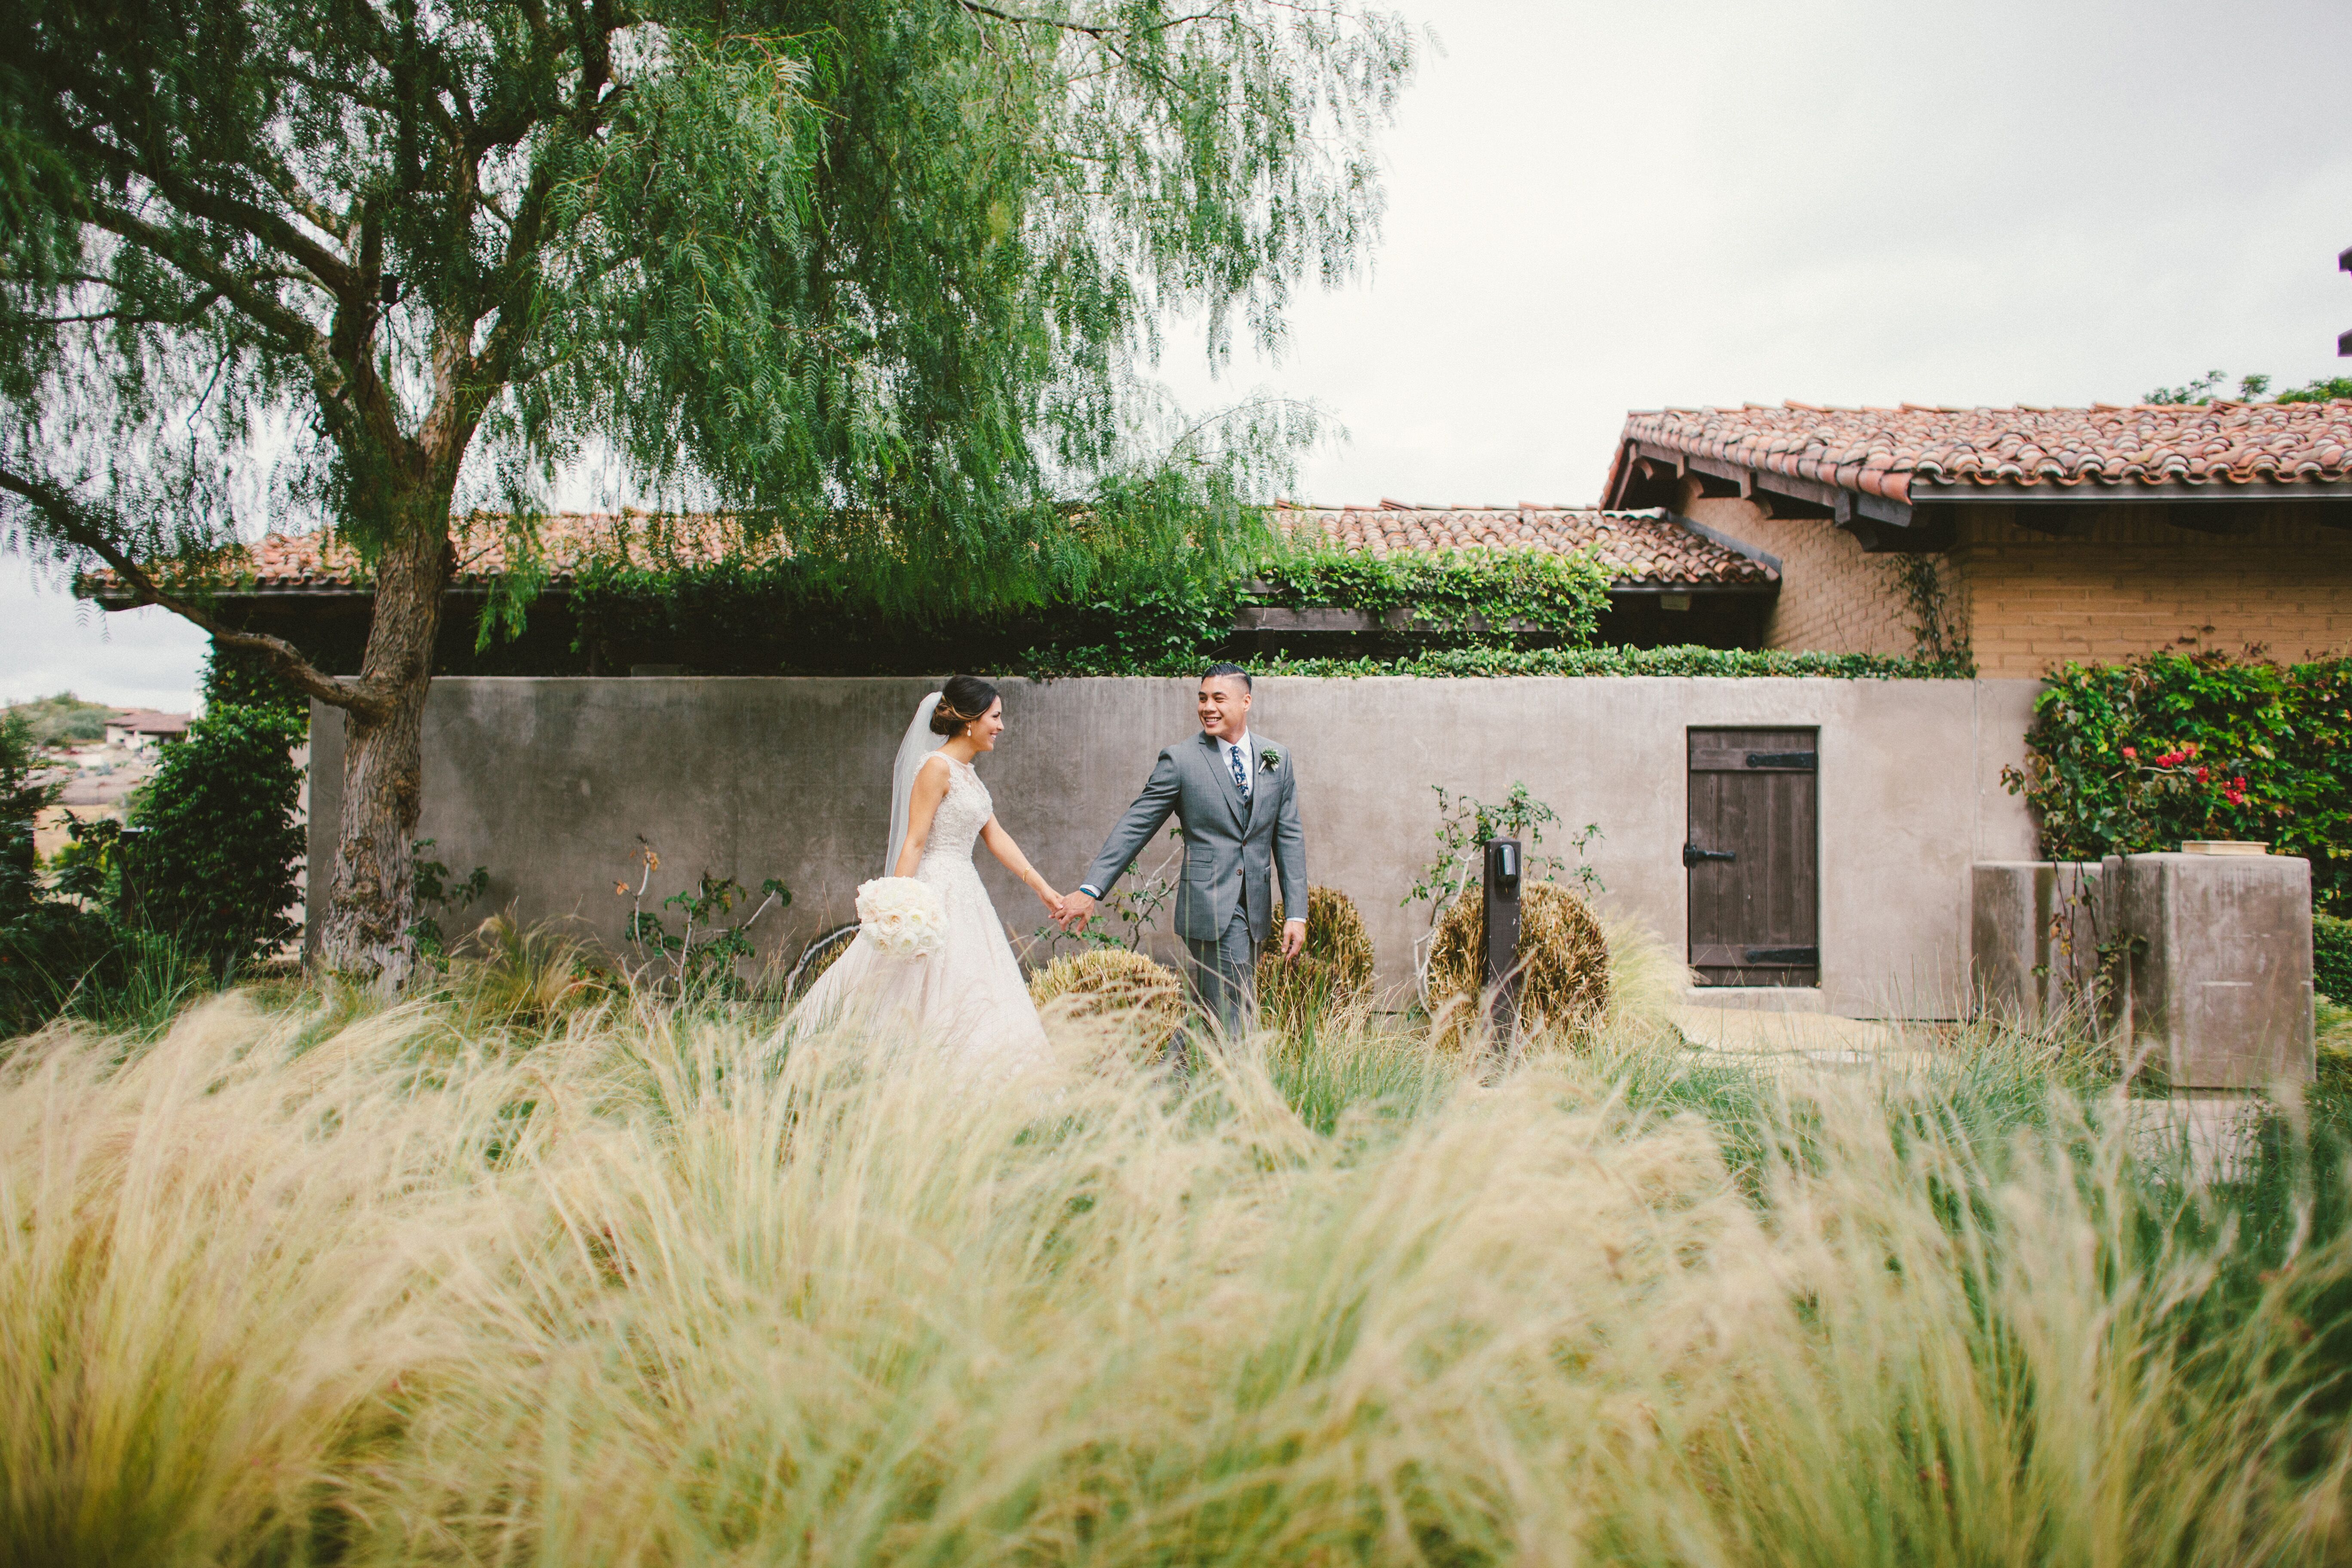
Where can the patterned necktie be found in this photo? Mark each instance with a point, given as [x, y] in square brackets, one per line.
[1241, 775]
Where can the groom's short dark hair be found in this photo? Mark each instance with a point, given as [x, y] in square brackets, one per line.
[1233, 669]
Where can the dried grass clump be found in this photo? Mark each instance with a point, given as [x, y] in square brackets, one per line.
[1563, 961]
[1335, 970]
[532, 976]
[1111, 984]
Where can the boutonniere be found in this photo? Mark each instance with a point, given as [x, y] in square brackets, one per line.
[1269, 760]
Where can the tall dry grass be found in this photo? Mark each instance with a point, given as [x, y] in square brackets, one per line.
[316, 1284]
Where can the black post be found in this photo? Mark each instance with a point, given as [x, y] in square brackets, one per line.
[1502, 925]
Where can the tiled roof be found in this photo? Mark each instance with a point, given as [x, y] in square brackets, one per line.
[1882, 451]
[1639, 547]
[148, 721]
[321, 561]
[1642, 547]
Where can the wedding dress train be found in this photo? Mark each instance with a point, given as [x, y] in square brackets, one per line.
[968, 996]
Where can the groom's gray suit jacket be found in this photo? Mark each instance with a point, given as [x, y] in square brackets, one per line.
[1232, 848]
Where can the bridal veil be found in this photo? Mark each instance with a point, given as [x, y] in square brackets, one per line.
[919, 743]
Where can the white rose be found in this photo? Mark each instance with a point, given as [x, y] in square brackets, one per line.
[902, 917]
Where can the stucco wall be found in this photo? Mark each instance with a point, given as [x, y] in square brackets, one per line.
[549, 783]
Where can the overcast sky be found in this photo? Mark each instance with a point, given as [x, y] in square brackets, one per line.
[1598, 206]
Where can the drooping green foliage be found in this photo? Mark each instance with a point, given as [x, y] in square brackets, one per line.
[2139, 756]
[214, 860]
[879, 276]
[880, 279]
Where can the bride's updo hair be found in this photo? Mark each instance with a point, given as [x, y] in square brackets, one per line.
[963, 699]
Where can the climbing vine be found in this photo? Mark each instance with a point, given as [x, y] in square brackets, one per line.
[1938, 638]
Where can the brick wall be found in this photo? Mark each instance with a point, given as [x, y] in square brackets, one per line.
[1833, 598]
[2126, 583]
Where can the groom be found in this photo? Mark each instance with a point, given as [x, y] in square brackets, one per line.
[1238, 799]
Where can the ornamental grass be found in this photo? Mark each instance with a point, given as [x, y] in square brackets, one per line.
[1333, 971]
[306, 1284]
[1562, 961]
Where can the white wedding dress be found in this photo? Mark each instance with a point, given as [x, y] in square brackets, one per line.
[968, 996]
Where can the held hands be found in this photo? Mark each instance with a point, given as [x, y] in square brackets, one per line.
[1053, 901]
[1075, 909]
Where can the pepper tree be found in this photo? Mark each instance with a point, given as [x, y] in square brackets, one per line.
[876, 278]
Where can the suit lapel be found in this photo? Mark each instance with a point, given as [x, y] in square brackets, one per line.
[1213, 753]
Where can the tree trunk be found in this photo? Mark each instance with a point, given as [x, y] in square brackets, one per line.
[373, 904]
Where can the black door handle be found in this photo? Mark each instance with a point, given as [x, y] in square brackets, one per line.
[1693, 854]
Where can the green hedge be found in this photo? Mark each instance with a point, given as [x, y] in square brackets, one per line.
[780, 617]
[1456, 599]
[2331, 957]
[2133, 757]
[1458, 664]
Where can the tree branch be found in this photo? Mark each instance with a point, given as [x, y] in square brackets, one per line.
[82, 528]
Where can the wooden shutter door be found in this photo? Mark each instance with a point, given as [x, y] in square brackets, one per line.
[1752, 851]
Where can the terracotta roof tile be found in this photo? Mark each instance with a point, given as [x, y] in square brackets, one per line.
[1643, 548]
[1640, 547]
[1881, 451]
[322, 561]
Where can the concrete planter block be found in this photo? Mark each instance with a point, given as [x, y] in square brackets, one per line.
[2217, 975]
[2033, 939]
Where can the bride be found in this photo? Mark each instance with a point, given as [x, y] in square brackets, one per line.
[968, 995]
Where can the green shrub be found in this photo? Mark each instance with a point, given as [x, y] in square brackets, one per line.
[1485, 663]
[214, 860]
[2331, 957]
[48, 943]
[239, 677]
[2134, 757]
[1481, 598]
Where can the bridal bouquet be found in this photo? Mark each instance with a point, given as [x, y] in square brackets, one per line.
[902, 916]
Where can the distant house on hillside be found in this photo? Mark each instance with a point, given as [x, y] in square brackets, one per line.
[140, 728]
[1673, 582]
[2055, 533]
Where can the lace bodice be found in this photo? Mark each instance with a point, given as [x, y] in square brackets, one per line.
[964, 811]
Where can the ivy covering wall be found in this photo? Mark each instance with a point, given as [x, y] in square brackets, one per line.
[2140, 756]
[776, 618]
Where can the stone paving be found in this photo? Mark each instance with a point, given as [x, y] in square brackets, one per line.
[1818, 1040]
[2215, 1128]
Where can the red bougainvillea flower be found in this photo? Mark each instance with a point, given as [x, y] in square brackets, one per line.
[2203, 774]
[2132, 751]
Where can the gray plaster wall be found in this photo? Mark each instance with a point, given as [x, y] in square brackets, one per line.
[550, 782]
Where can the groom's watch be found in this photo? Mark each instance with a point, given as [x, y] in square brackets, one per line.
[1090, 891]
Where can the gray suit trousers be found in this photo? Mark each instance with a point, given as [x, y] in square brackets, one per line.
[1224, 973]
